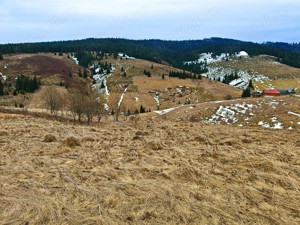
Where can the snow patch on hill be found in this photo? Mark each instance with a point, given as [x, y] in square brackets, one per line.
[101, 81]
[230, 114]
[3, 77]
[242, 114]
[208, 58]
[220, 73]
[242, 54]
[124, 56]
[75, 59]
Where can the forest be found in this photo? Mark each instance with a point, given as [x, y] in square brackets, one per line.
[171, 52]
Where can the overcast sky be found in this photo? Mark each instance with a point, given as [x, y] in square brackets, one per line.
[255, 20]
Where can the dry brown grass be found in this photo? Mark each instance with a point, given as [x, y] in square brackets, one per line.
[142, 88]
[174, 173]
[263, 65]
[263, 110]
[278, 84]
[50, 68]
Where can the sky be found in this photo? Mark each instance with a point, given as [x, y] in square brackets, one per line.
[54, 20]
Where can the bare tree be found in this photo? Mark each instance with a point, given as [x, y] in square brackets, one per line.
[76, 102]
[101, 110]
[87, 105]
[54, 100]
[90, 107]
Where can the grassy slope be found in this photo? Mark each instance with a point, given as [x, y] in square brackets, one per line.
[150, 173]
[144, 88]
[50, 68]
[282, 76]
[264, 109]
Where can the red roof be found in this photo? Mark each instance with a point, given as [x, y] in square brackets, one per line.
[271, 92]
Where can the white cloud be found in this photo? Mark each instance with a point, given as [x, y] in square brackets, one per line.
[170, 19]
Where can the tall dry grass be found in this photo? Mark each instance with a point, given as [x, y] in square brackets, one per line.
[155, 172]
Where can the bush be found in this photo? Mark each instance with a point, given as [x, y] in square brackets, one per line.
[49, 138]
[72, 142]
[228, 97]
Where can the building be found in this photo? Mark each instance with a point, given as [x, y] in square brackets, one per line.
[271, 93]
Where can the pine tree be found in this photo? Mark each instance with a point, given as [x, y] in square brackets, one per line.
[35, 84]
[102, 85]
[163, 76]
[246, 93]
[142, 109]
[1, 89]
[85, 73]
[80, 73]
[250, 85]
[1, 57]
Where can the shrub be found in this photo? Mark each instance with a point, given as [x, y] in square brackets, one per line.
[72, 142]
[228, 97]
[49, 138]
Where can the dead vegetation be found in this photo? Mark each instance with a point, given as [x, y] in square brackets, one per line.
[173, 173]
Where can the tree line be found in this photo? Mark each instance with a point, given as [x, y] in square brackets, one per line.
[172, 52]
[184, 75]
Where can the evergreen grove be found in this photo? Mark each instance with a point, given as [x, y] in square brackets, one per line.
[26, 84]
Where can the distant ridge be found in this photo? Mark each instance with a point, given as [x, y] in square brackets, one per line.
[172, 52]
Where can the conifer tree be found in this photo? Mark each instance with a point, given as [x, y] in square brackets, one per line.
[85, 73]
[250, 85]
[1, 88]
[246, 93]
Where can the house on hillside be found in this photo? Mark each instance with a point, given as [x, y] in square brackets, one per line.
[256, 94]
[287, 91]
[271, 93]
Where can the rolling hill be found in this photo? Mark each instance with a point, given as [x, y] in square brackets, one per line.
[199, 155]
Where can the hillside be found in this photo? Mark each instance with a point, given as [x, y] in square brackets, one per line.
[149, 173]
[151, 92]
[50, 68]
[238, 69]
[269, 113]
[201, 156]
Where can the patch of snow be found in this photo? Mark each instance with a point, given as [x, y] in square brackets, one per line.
[275, 122]
[242, 54]
[229, 114]
[278, 126]
[3, 76]
[106, 107]
[295, 114]
[136, 99]
[121, 98]
[75, 59]
[165, 111]
[124, 56]
[207, 58]
[156, 98]
[264, 124]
